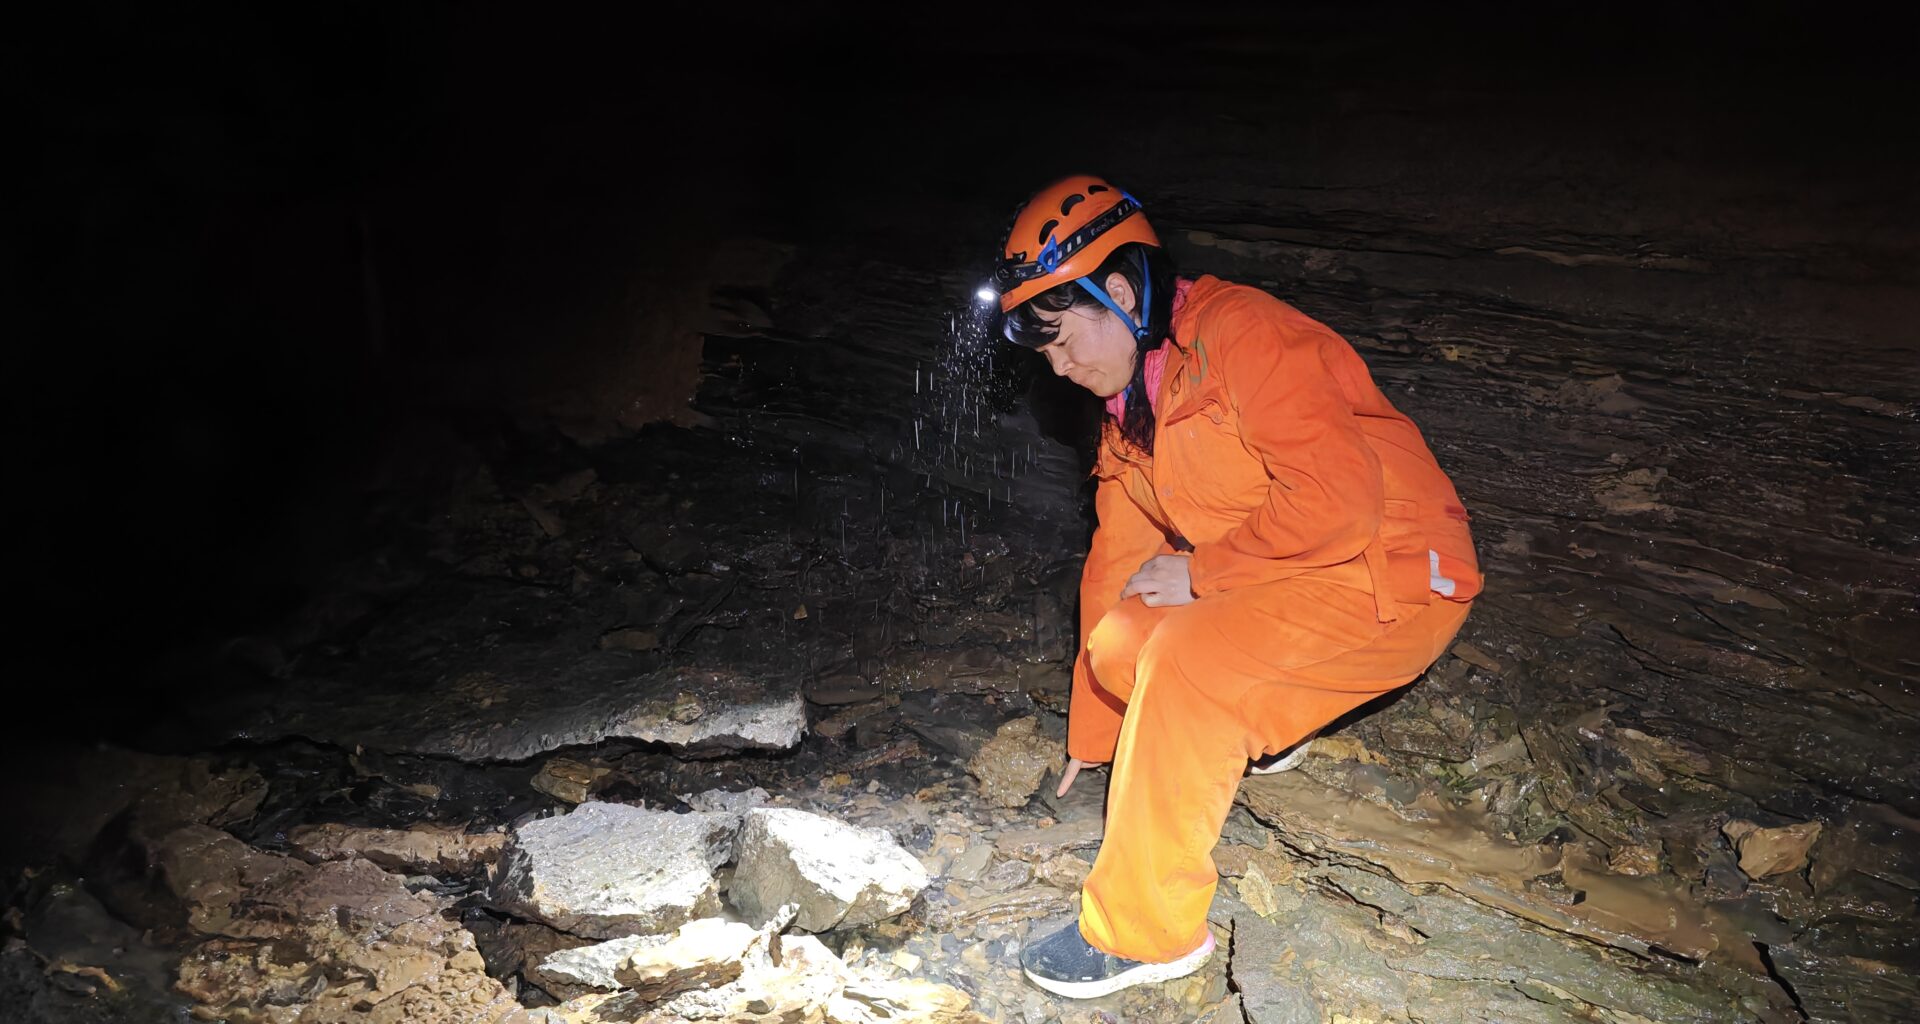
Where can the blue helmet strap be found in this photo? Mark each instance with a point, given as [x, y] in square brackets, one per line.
[1138, 327]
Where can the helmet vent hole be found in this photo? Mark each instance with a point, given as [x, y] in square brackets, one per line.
[1067, 205]
[1091, 189]
[1046, 230]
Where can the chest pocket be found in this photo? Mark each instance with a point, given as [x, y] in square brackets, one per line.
[1200, 460]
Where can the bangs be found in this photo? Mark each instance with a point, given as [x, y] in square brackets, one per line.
[1025, 328]
[1023, 325]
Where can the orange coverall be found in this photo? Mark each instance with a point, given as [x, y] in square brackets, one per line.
[1324, 535]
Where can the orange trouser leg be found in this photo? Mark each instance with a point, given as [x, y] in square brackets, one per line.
[1094, 717]
[1208, 686]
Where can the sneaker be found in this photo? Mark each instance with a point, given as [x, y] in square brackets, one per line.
[1284, 761]
[1065, 964]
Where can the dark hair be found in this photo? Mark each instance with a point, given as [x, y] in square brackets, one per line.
[1027, 329]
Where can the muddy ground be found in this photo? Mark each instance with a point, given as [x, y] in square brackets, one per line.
[1666, 773]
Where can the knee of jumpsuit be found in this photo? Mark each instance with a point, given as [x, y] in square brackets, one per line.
[1201, 684]
[1113, 648]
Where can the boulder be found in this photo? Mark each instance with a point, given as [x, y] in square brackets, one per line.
[609, 870]
[837, 874]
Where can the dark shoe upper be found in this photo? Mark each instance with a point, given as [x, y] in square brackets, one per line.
[1066, 956]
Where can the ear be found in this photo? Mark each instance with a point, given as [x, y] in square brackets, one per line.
[1122, 293]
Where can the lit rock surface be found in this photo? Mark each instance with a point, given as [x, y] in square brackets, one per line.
[337, 941]
[590, 966]
[837, 874]
[1431, 893]
[609, 870]
[729, 973]
[701, 954]
[421, 850]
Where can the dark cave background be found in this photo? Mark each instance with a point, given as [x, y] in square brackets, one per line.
[248, 242]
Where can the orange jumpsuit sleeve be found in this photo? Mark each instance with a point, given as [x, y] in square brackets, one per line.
[1326, 494]
[1123, 538]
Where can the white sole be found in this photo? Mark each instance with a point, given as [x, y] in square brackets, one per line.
[1289, 762]
[1145, 974]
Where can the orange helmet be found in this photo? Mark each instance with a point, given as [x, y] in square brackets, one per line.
[1064, 233]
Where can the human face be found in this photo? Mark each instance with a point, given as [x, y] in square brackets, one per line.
[1093, 348]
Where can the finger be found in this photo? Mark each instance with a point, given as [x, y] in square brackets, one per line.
[1067, 777]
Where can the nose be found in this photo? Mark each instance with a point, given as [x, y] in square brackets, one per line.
[1057, 358]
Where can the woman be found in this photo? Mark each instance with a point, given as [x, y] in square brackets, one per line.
[1276, 546]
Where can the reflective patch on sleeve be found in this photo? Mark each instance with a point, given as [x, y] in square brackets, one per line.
[1435, 582]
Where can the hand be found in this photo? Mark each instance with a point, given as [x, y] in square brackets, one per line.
[1072, 771]
[1162, 580]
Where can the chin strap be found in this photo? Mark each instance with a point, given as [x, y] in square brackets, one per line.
[1138, 327]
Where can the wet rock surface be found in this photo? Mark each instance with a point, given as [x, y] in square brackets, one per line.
[1011, 765]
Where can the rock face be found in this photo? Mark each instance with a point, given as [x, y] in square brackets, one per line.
[338, 941]
[115, 830]
[1433, 889]
[420, 850]
[610, 870]
[838, 875]
[517, 701]
[1012, 764]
